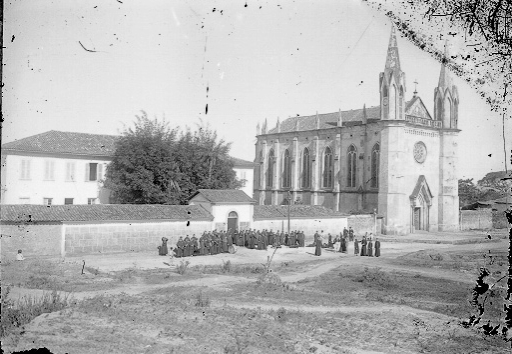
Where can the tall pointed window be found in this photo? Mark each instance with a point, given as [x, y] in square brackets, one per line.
[328, 168]
[287, 170]
[270, 169]
[400, 100]
[351, 166]
[375, 166]
[439, 109]
[306, 169]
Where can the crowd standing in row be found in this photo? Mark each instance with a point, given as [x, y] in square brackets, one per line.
[215, 242]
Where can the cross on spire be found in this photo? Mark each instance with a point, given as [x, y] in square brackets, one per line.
[415, 87]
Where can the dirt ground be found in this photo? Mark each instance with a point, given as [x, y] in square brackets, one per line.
[409, 300]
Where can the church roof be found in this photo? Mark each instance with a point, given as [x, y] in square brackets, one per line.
[327, 120]
[55, 141]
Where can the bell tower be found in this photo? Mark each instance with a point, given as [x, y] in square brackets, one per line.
[392, 84]
[446, 106]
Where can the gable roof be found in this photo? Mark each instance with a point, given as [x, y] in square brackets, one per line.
[224, 196]
[296, 211]
[416, 108]
[242, 163]
[55, 141]
[102, 212]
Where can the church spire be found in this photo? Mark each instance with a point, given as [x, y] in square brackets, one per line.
[392, 58]
[445, 79]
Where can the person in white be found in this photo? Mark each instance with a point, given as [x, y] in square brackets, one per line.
[19, 256]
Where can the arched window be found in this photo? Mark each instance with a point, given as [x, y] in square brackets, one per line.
[328, 168]
[306, 169]
[351, 166]
[392, 102]
[375, 166]
[270, 169]
[287, 169]
[455, 113]
[448, 111]
[439, 109]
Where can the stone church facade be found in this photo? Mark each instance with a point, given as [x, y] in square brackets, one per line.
[395, 158]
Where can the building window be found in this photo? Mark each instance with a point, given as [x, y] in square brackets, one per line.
[93, 171]
[375, 166]
[328, 168]
[287, 175]
[306, 169]
[25, 169]
[270, 169]
[68, 201]
[49, 168]
[70, 171]
[24, 200]
[351, 166]
[47, 201]
[91, 201]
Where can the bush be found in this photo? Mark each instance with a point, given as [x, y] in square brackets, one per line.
[226, 266]
[202, 300]
[182, 267]
[20, 312]
[375, 277]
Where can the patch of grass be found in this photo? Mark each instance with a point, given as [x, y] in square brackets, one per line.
[202, 300]
[182, 267]
[17, 313]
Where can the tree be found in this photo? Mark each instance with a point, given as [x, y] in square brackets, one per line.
[468, 192]
[154, 164]
[493, 186]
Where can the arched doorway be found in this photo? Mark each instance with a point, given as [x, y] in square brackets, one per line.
[421, 200]
[233, 221]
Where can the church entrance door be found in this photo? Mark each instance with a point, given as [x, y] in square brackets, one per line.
[233, 221]
[417, 218]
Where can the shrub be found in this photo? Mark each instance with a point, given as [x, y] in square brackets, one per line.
[20, 312]
[375, 277]
[182, 267]
[202, 300]
[226, 266]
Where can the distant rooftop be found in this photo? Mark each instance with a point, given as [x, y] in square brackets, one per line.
[296, 211]
[224, 196]
[55, 141]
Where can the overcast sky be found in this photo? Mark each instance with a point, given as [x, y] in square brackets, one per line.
[91, 66]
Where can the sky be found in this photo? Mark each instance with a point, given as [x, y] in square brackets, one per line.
[92, 66]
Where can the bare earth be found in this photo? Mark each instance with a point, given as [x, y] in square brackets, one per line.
[325, 319]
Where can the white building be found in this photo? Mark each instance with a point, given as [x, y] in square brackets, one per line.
[56, 168]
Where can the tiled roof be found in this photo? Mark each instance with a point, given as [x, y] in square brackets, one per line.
[102, 212]
[242, 163]
[66, 143]
[296, 211]
[327, 120]
[224, 196]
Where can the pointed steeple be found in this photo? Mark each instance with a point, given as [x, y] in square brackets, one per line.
[392, 58]
[445, 79]
[278, 125]
[258, 130]
[264, 129]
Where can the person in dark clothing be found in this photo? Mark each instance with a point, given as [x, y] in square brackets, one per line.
[194, 245]
[370, 248]
[180, 247]
[345, 232]
[163, 250]
[318, 244]
[350, 234]
[329, 241]
[302, 239]
[377, 247]
[363, 247]
[343, 245]
[356, 247]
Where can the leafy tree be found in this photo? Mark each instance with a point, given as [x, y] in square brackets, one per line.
[468, 192]
[493, 186]
[154, 164]
[143, 169]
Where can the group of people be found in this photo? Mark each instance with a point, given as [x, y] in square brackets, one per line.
[340, 243]
[215, 242]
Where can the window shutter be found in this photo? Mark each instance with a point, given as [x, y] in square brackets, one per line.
[100, 171]
[87, 171]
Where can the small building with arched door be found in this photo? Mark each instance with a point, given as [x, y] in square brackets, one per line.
[230, 208]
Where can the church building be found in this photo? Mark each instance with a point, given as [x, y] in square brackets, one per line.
[395, 159]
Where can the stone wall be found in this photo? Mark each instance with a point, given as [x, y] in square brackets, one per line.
[125, 237]
[329, 225]
[362, 224]
[34, 239]
[475, 219]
